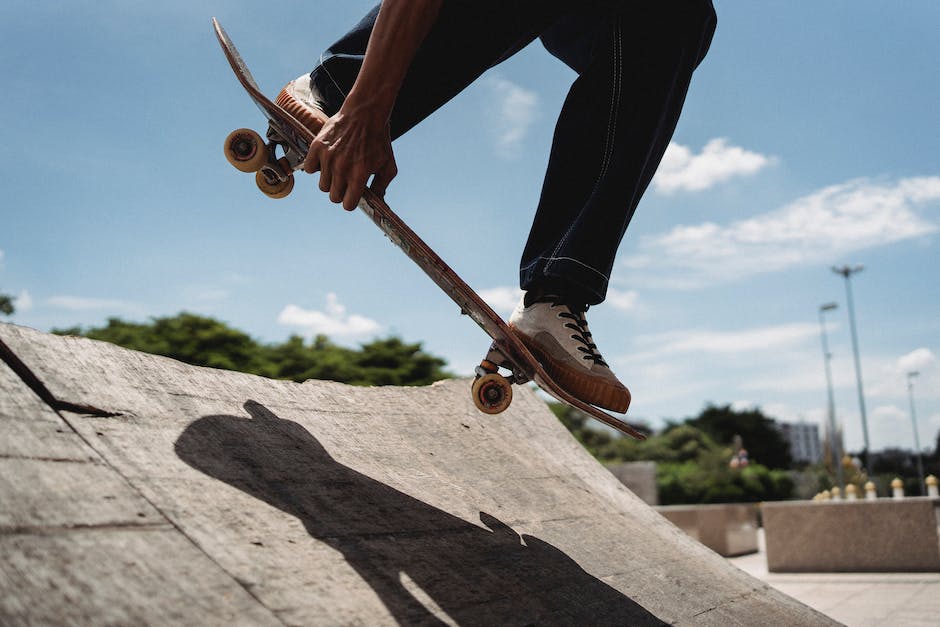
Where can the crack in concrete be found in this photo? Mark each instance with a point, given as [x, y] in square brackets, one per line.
[57, 460]
[50, 530]
[32, 381]
[39, 388]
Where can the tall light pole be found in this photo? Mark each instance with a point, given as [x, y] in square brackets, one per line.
[847, 272]
[827, 358]
[920, 457]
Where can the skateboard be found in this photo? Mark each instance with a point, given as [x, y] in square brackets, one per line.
[274, 163]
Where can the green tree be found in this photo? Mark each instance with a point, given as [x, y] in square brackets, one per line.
[321, 359]
[191, 338]
[764, 443]
[691, 466]
[6, 305]
[204, 341]
[709, 479]
[394, 362]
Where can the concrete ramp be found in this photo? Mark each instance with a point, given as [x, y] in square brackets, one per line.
[139, 490]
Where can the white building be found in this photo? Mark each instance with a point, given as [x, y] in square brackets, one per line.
[805, 446]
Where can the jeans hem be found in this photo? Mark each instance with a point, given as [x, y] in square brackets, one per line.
[566, 277]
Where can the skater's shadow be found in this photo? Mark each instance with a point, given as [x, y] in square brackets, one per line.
[397, 543]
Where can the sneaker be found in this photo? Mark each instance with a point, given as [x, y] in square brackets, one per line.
[301, 100]
[558, 336]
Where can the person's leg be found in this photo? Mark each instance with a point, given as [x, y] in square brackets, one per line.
[634, 64]
[466, 40]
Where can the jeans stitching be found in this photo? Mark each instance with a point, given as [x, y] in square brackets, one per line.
[612, 124]
[333, 80]
[553, 259]
[615, 97]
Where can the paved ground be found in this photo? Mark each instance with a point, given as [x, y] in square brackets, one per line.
[857, 599]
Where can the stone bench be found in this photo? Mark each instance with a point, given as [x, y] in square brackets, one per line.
[885, 535]
[728, 529]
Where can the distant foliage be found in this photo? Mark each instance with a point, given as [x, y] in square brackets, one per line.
[709, 479]
[6, 305]
[889, 463]
[692, 466]
[203, 341]
[764, 443]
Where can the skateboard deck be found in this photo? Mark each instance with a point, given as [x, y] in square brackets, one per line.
[492, 391]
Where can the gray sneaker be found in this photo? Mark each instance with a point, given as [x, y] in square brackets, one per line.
[301, 100]
[558, 336]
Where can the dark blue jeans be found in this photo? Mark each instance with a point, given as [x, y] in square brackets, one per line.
[634, 60]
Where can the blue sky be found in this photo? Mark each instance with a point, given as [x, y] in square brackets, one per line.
[810, 138]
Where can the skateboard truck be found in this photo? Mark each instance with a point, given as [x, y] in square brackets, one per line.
[274, 176]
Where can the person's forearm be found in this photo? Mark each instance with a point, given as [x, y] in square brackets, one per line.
[399, 29]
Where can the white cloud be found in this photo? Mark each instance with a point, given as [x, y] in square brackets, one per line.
[726, 342]
[889, 414]
[206, 293]
[502, 299]
[689, 367]
[24, 302]
[80, 303]
[890, 425]
[916, 360]
[513, 111]
[333, 322]
[816, 229]
[682, 170]
[622, 301]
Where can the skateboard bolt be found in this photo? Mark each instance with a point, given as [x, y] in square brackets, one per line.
[244, 149]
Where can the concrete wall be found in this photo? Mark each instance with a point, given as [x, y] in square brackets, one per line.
[640, 478]
[886, 535]
[727, 529]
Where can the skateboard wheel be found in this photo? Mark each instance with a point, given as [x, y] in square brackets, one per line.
[245, 150]
[492, 393]
[278, 189]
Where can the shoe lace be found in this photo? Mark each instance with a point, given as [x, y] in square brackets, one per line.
[582, 334]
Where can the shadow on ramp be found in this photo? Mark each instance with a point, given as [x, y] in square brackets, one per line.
[474, 575]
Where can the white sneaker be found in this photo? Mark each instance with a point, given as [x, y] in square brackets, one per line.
[558, 336]
[301, 100]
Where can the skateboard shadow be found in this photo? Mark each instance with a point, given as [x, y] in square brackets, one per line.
[475, 575]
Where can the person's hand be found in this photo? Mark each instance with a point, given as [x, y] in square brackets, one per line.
[356, 143]
[346, 152]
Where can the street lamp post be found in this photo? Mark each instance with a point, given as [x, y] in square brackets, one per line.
[847, 272]
[827, 358]
[920, 457]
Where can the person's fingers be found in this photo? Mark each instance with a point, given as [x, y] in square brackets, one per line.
[384, 176]
[357, 184]
[326, 179]
[337, 189]
[352, 197]
[312, 161]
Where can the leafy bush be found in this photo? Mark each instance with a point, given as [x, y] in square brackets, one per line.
[691, 466]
